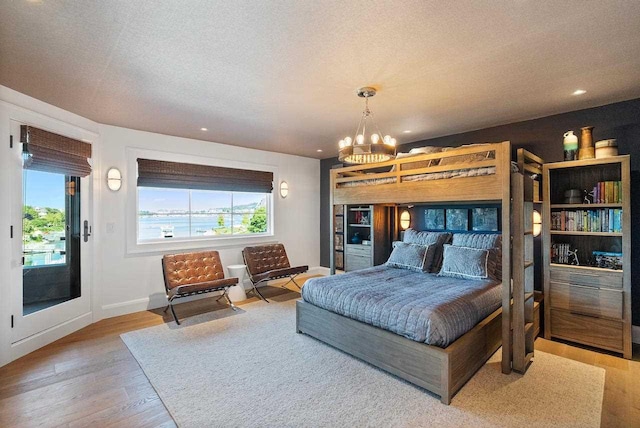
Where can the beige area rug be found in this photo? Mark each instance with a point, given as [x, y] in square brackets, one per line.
[250, 369]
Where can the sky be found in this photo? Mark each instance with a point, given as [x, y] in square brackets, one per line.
[153, 199]
[43, 189]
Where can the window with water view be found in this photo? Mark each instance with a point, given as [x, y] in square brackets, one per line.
[43, 223]
[181, 213]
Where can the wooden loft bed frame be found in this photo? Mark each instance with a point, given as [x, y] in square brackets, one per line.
[442, 371]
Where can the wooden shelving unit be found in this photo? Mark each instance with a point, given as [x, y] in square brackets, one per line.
[371, 225]
[587, 304]
[579, 233]
[337, 233]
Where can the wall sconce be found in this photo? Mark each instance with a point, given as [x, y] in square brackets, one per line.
[405, 220]
[114, 179]
[284, 189]
[537, 223]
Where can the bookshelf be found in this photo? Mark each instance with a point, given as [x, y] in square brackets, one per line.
[338, 238]
[586, 252]
[366, 236]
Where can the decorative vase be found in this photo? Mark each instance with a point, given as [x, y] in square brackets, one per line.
[355, 239]
[587, 150]
[570, 146]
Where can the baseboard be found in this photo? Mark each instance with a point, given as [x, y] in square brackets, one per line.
[38, 340]
[636, 334]
[124, 308]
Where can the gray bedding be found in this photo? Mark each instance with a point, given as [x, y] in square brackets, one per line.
[419, 306]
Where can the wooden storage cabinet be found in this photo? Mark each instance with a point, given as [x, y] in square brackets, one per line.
[586, 276]
[587, 304]
[599, 332]
[371, 225]
[590, 301]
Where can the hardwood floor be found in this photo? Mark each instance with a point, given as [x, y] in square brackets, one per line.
[90, 378]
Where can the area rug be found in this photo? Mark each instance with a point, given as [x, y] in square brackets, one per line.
[250, 369]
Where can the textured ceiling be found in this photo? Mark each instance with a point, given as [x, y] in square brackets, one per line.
[282, 75]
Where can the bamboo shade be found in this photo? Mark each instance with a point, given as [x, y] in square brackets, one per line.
[155, 173]
[55, 153]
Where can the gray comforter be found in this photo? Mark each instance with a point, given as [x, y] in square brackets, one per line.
[419, 306]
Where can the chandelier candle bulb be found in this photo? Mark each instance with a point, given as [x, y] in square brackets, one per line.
[365, 148]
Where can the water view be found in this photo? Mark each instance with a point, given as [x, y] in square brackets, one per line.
[182, 213]
[157, 226]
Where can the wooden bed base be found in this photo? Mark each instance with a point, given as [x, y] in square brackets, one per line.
[443, 371]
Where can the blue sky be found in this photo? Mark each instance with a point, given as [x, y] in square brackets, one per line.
[151, 199]
[44, 189]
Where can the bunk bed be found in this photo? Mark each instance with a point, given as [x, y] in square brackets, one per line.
[469, 174]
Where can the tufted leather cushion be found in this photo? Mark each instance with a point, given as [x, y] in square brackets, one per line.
[190, 272]
[265, 258]
[269, 261]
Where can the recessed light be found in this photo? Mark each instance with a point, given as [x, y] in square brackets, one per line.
[319, 150]
[406, 131]
[203, 129]
[579, 92]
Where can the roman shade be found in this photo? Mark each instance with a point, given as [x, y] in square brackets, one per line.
[49, 152]
[156, 173]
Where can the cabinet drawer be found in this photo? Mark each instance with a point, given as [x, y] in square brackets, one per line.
[359, 249]
[599, 302]
[583, 329]
[586, 276]
[356, 262]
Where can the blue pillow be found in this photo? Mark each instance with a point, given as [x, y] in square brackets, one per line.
[411, 256]
[465, 262]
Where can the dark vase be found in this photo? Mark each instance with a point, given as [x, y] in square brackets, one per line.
[355, 239]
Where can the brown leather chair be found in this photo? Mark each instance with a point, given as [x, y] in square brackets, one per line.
[267, 262]
[189, 274]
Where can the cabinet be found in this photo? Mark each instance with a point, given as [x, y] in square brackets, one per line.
[361, 236]
[586, 252]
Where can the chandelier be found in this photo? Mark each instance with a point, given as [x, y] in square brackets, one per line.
[362, 150]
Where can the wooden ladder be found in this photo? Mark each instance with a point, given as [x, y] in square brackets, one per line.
[522, 326]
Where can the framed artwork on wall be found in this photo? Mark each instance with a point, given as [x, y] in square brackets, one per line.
[457, 218]
[434, 219]
[484, 219]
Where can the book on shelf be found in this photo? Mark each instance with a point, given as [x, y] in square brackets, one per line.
[607, 192]
[592, 220]
[560, 253]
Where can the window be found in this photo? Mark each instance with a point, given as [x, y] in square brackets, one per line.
[166, 213]
[43, 219]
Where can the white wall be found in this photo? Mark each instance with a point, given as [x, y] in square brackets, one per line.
[124, 282]
[130, 282]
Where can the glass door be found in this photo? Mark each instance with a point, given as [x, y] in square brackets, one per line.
[55, 233]
[50, 240]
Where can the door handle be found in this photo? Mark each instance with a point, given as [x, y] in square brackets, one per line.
[87, 231]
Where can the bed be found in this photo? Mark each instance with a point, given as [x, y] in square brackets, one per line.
[462, 172]
[442, 361]
[423, 307]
